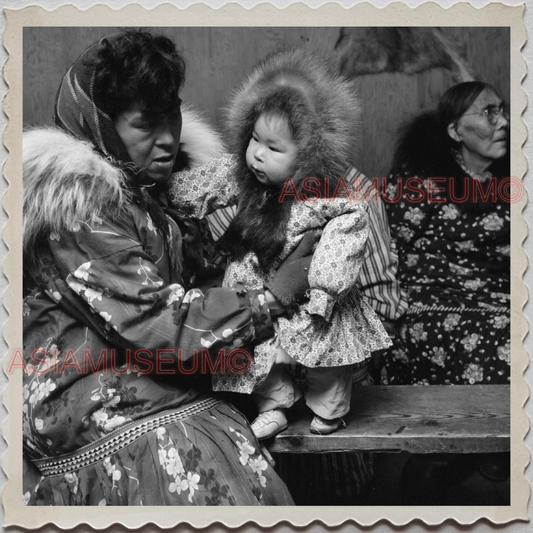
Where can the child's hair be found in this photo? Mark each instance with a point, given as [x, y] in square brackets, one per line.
[322, 113]
[278, 119]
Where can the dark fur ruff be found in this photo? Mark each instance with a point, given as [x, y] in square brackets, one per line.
[324, 116]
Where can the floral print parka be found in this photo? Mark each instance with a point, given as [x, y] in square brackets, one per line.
[111, 331]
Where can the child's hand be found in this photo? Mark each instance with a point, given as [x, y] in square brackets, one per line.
[291, 281]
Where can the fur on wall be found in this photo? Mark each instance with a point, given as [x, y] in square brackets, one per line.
[361, 51]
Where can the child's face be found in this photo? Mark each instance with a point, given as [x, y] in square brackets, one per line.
[271, 152]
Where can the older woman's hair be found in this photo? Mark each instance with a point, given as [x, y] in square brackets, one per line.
[424, 144]
[137, 66]
[457, 99]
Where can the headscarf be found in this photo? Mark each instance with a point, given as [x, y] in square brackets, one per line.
[79, 111]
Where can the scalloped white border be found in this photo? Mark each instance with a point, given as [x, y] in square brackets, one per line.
[234, 15]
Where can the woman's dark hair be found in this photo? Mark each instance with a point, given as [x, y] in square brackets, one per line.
[135, 66]
[138, 66]
[456, 101]
[424, 141]
[426, 149]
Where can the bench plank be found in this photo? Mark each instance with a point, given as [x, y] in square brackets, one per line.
[432, 419]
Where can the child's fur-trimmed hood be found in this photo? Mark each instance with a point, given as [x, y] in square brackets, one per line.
[65, 180]
[324, 107]
[323, 113]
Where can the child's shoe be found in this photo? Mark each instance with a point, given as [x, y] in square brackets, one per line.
[321, 426]
[269, 423]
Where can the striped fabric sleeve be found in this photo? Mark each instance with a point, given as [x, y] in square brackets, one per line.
[378, 275]
[220, 220]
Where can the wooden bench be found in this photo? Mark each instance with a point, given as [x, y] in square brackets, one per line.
[433, 419]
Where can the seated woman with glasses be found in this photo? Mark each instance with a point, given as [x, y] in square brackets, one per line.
[448, 207]
[449, 215]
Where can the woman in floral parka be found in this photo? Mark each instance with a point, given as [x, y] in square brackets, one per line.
[117, 406]
[448, 208]
[450, 219]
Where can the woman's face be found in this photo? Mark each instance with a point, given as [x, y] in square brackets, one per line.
[152, 141]
[481, 142]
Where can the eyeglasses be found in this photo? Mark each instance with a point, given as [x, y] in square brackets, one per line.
[493, 113]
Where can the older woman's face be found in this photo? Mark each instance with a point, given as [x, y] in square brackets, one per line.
[481, 141]
[152, 142]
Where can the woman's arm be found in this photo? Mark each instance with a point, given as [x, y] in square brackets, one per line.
[132, 294]
[113, 277]
[204, 189]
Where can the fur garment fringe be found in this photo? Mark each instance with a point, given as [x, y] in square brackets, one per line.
[66, 181]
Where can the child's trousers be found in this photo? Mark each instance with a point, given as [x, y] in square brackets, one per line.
[328, 394]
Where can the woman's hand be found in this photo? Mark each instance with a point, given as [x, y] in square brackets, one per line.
[291, 281]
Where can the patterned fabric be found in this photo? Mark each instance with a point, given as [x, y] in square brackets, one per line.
[336, 327]
[107, 306]
[112, 289]
[123, 436]
[112, 337]
[456, 266]
[211, 458]
[220, 220]
[377, 280]
[79, 113]
[204, 189]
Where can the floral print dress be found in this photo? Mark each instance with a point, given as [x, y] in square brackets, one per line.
[455, 263]
[335, 326]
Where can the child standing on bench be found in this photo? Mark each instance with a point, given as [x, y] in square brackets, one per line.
[293, 124]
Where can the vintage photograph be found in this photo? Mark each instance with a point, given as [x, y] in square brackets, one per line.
[266, 266]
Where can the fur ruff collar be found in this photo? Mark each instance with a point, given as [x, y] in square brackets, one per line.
[65, 180]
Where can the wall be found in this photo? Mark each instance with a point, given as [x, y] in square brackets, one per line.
[218, 57]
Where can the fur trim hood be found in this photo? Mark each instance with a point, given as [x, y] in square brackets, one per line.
[65, 180]
[323, 113]
[323, 108]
